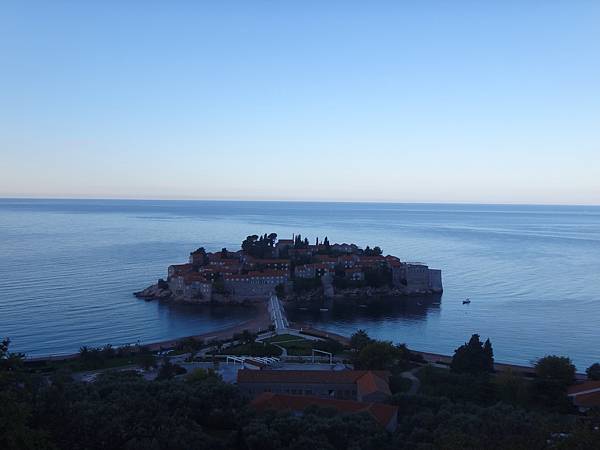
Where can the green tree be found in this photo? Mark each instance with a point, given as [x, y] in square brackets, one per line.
[200, 375]
[473, 357]
[593, 372]
[558, 369]
[359, 340]
[377, 355]
[146, 360]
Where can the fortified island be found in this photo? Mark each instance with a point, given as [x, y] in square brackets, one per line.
[293, 269]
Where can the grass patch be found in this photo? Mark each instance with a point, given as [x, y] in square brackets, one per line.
[299, 346]
[284, 337]
[252, 349]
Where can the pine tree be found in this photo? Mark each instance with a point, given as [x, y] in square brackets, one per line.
[488, 353]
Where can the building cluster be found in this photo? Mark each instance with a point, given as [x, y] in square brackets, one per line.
[348, 391]
[243, 276]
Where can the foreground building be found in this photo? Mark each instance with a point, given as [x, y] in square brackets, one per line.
[586, 395]
[359, 385]
[385, 415]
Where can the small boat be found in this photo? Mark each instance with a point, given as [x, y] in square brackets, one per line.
[323, 309]
[466, 301]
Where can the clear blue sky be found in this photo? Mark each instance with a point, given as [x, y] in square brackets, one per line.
[368, 101]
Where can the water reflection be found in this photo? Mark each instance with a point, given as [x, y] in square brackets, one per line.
[412, 309]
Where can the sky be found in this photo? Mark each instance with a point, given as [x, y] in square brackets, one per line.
[399, 101]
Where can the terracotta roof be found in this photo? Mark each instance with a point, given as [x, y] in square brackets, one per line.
[578, 389]
[383, 414]
[326, 258]
[587, 400]
[272, 261]
[372, 258]
[182, 266]
[370, 383]
[264, 274]
[307, 376]
[314, 266]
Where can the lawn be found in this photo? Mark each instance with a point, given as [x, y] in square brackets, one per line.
[299, 346]
[252, 349]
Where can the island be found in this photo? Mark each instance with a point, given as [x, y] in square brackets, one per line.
[293, 269]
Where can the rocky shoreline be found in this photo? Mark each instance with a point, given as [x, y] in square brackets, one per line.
[155, 292]
[160, 291]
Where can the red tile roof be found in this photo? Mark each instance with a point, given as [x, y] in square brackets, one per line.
[587, 400]
[186, 266]
[383, 414]
[580, 388]
[272, 261]
[371, 383]
[307, 376]
[264, 274]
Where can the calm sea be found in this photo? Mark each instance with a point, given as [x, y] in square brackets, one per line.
[68, 268]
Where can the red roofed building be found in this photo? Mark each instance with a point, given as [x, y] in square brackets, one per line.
[255, 284]
[354, 274]
[180, 269]
[282, 245]
[276, 264]
[361, 385]
[385, 415]
[312, 270]
[372, 261]
[196, 287]
[585, 395]
[300, 252]
[344, 248]
[347, 261]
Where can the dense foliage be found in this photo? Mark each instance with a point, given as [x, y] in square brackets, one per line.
[259, 246]
[473, 357]
[593, 372]
[122, 410]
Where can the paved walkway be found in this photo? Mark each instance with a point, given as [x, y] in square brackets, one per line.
[278, 314]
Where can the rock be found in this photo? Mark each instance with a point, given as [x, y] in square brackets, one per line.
[154, 292]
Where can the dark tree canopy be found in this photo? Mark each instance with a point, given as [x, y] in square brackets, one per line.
[359, 340]
[593, 372]
[259, 246]
[473, 357]
[558, 369]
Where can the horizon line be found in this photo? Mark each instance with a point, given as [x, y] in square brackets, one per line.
[391, 202]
